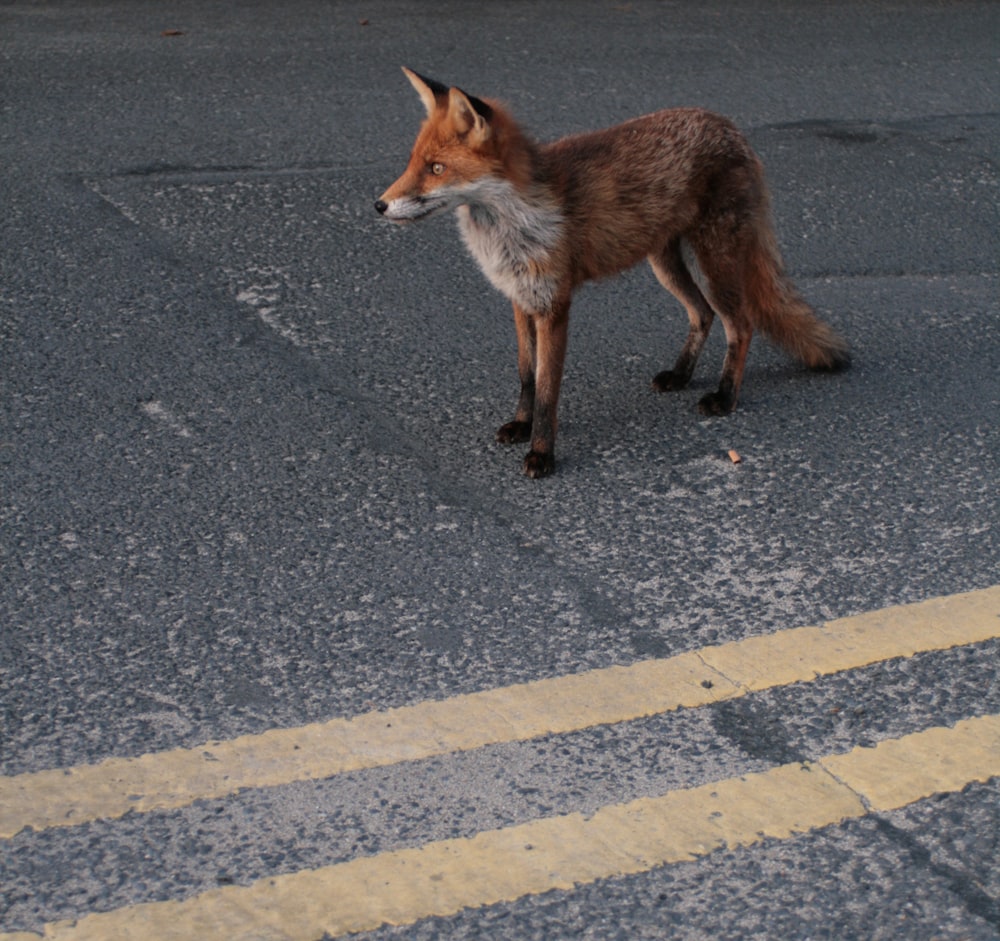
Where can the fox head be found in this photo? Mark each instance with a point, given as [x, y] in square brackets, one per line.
[455, 153]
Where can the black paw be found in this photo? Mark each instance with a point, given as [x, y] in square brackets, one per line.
[669, 381]
[514, 432]
[537, 464]
[715, 403]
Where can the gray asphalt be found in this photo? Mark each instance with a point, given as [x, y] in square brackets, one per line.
[247, 465]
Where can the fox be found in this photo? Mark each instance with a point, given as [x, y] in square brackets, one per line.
[540, 219]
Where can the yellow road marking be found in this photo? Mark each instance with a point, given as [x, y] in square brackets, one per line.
[176, 778]
[442, 878]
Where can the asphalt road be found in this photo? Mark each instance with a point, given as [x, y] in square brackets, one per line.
[248, 479]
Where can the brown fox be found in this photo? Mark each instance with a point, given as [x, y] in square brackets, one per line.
[540, 219]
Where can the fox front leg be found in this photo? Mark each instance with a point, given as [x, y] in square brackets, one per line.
[520, 428]
[541, 351]
[551, 330]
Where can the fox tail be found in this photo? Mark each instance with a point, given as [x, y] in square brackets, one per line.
[780, 312]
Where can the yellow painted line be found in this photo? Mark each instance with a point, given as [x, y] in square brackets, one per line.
[171, 779]
[442, 878]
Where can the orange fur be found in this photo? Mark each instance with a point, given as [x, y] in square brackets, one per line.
[542, 219]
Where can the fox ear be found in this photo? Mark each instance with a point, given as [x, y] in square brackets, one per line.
[469, 115]
[429, 90]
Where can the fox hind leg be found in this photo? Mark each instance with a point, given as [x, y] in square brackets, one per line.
[673, 274]
[723, 271]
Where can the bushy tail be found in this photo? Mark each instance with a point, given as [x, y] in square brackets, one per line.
[780, 312]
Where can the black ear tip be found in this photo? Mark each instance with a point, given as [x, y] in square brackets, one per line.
[438, 88]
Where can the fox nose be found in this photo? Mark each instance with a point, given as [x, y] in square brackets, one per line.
[381, 205]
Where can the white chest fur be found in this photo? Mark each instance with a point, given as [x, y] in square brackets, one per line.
[513, 241]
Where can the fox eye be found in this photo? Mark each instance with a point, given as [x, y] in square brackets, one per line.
[437, 168]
